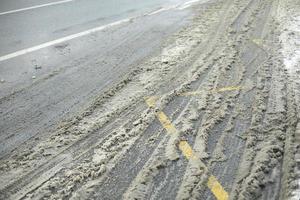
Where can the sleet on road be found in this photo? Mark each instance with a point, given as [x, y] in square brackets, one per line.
[148, 99]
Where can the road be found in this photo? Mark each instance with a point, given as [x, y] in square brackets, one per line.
[31, 100]
[149, 99]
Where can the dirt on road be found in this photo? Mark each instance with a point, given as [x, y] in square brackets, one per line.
[214, 115]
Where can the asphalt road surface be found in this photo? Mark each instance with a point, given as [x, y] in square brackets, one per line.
[153, 99]
[42, 86]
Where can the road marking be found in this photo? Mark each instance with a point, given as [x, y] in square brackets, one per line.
[257, 41]
[213, 184]
[261, 43]
[163, 9]
[176, 6]
[230, 88]
[216, 188]
[34, 7]
[187, 150]
[61, 40]
[151, 101]
[189, 4]
[70, 37]
[223, 89]
[167, 124]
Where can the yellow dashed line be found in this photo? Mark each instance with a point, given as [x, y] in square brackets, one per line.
[224, 89]
[216, 188]
[161, 116]
[230, 88]
[166, 123]
[190, 93]
[261, 44]
[151, 101]
[258, 42]
[187, 150]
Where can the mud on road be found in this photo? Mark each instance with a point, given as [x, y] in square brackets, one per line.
[222, 122]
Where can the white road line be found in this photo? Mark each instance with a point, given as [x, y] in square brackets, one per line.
[34, 7]
[177, 6]
[190, 3]
[87, 32]
[64, 39]
[162, 10]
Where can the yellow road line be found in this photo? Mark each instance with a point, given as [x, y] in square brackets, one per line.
[216, 188]
[257, 41]
[190, 93]
[187, 150]
[230, 88]
[166, 122]
[151, 101]
[261, 43]
[224, 89]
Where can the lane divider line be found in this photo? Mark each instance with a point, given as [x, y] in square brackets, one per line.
[77, 35]
[230, 88]
[167, 124]
[162, 10]
[213, 184]
[223, 89]
[261, 43]
[170, 128]
[187, 150]
[177, 6]
[34, 7]
[216, 188]
[61, 40]
[190, 3]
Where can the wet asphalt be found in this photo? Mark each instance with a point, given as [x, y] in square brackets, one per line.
[40, 89]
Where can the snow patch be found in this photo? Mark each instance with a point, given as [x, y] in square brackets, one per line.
[290, 39]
